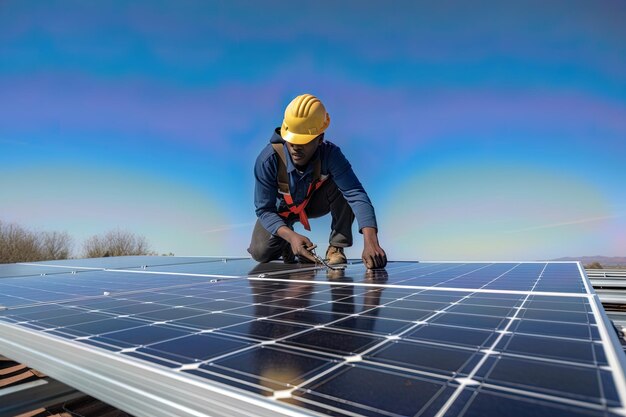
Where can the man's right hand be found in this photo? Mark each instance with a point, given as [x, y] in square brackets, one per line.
[301, 246]
[299, 243]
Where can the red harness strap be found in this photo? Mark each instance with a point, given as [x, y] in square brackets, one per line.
[282, 181]
[299, 209]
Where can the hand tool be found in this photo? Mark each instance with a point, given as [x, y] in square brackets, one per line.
[319, 259]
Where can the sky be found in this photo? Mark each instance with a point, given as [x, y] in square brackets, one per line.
[481, 130]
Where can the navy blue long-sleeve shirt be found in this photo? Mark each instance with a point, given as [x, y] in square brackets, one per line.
[268, 202]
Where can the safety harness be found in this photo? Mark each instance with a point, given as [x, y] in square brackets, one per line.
[283, 186]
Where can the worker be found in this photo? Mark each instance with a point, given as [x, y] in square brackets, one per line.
[300, 175]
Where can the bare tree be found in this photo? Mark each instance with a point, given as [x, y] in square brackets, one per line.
[18, 244]
[115, 243]
[56, 245]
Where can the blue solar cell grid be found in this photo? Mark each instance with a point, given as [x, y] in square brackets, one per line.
[415, 339]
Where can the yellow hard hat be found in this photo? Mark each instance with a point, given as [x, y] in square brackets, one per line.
[305, 119]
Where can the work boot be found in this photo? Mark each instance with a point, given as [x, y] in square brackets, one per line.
[287, 255]
[334, 256]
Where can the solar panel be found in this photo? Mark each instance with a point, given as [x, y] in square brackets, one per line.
[118, 262]
[65, 266]
[417, 339]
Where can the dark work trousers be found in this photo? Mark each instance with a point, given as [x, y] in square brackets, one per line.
[327, 199]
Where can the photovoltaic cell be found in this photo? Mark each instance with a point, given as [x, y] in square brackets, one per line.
[417, 339]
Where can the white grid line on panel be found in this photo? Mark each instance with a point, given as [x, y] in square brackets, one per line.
[463, 384]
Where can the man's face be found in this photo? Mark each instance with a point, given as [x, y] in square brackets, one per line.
[302, 154]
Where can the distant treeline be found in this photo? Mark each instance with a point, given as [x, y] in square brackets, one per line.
[598, 265]
[19, 244]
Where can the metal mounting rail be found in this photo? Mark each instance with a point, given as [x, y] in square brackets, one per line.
[132, 385]
[606, 273]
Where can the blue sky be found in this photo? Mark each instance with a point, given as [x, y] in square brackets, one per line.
[480, 131]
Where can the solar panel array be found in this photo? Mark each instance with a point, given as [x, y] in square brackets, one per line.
[416, 339]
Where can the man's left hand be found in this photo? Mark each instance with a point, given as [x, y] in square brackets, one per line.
[373, 255]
